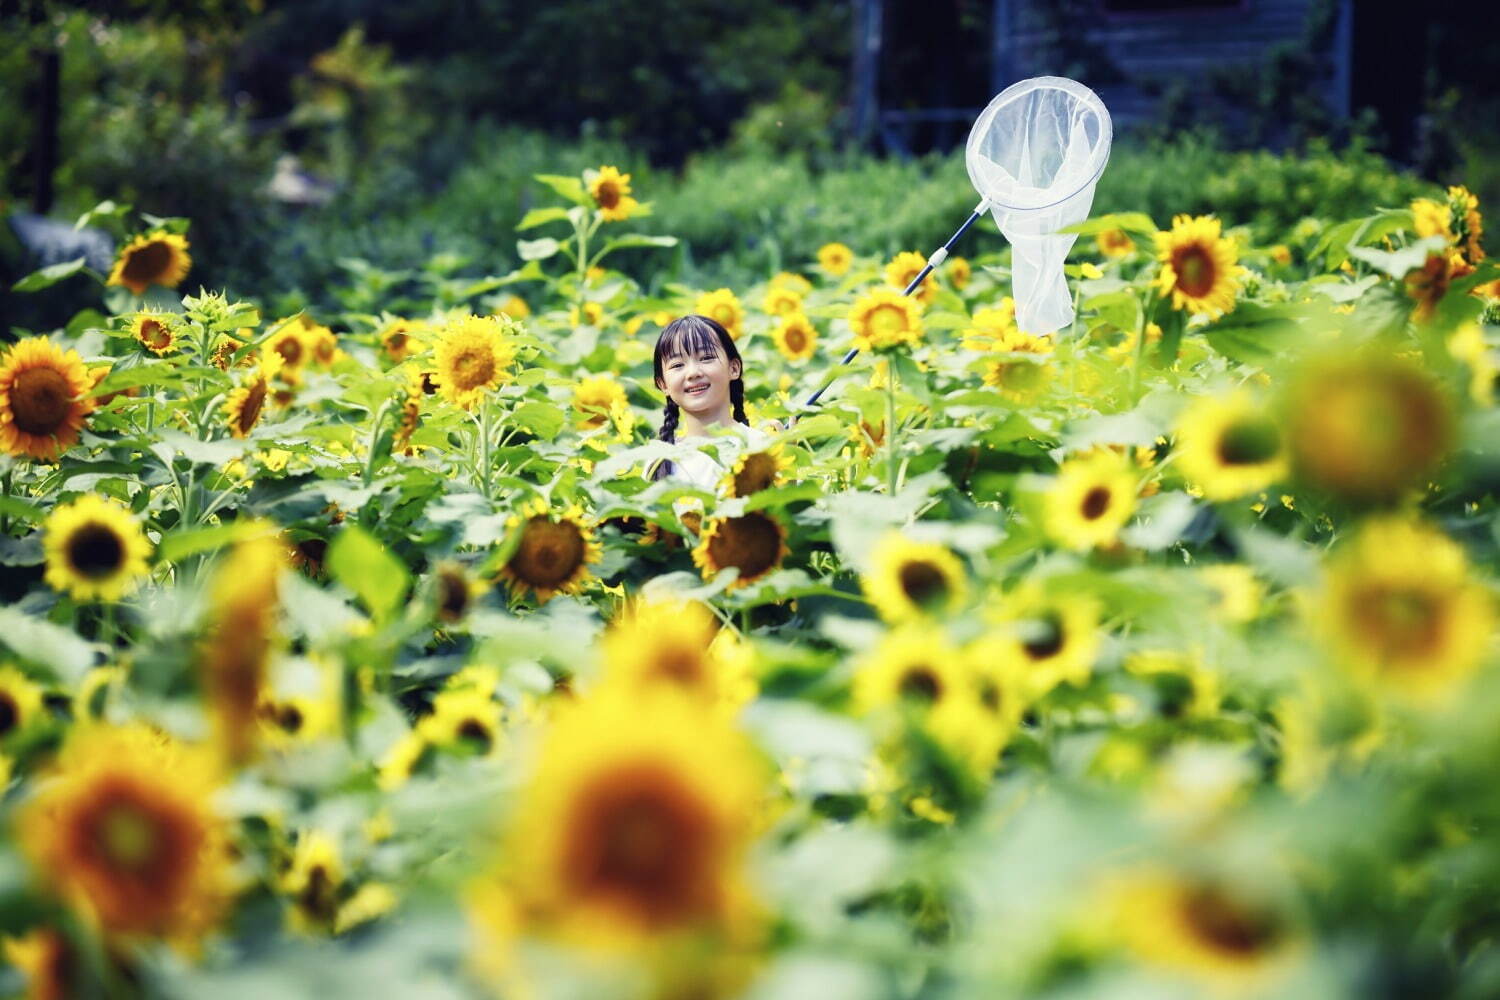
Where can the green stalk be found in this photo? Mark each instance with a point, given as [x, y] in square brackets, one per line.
[890, 428]
[484, 447]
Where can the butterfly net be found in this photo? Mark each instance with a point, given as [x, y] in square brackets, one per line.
[1035, 154]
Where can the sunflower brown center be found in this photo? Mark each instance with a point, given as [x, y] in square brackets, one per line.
[752, 543]
[887, 321]
[923, 583]
[1224, 925]
[127, 837]
[250, 409]
[1095, 503]
[1405, 621]
[453, 596]
[758, 473]
[154, 334]
[681, 664]
[472, 368]
[920, 684]
[1195, 270]
[549, 554]
[796, 340]
[95, 551]
[1046, 639]
[290, 719]
[40, 399]
[10, 713]
[290, 349]
[640, 837]
[607, 194]
[476, 734]
[1249, 442]
[319, 896]
[989, 695]
[149, 264]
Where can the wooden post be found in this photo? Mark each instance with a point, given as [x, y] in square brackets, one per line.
[865, 100]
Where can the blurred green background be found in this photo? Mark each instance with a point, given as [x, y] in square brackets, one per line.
[297, 136]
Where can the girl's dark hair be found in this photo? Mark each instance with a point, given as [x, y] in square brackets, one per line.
[690, 334]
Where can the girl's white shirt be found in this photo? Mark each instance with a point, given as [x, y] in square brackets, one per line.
[702, 470]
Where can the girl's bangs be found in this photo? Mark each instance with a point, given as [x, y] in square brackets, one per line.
[689, 338]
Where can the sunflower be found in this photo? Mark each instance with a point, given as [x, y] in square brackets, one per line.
[1235, 594]
[513, 306]
[20, 702]
[411, 412]
[903, 270]
[664, 642]
[553, 555]
[1367, 428]
[155, 258]
[399, 338]
[1468, 225]
[1401, 611]
[883, 320]
[156, 331]
[753, 543]
[721, 306]
[589, 314]
[52, 966]
[976, 725]
[125, 831]
[95, 549]
[610, 190]
[795, 337]
[596, 397]
[1432, 218]
[454, 591]
[992, 327]
[1229, 447]
[1025, 374]
[1198, 266]
[247, 401]
[234, 655]
[1047, 638]
[782, 301]
[754, 471]
[913, 669]
[958, 272]
[465, 719]
[634, 827]
[1092, 499]
[1115, 243]
[313, 883]
[292, 719]
[473, 357]
[289, 341]
[43, 398]
[1426, 285]
[911, 580]
[835, 258]
[1221, 935]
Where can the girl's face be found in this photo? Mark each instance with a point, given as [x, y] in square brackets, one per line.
[698, 379]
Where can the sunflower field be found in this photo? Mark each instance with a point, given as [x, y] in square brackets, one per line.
[356, 653]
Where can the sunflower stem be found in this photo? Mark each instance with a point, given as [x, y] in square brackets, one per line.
[890, 429]
[484, 447]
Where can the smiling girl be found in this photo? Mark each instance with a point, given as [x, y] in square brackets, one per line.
[699, 368]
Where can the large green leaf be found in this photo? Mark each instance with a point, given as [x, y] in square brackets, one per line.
[46, 644]
[1130, 222]
[48, 276]
[1252, 334]
[358, 561]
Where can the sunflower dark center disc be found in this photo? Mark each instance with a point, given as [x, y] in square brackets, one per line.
[39, 400]
[148, 263]
[550, 553]
[923, 583]
[1227, 926]
[1249, 442]
[95, 551]
[1095, 503]
[1195, 271]
[9, 713]
[1047, 640]
[920, 684]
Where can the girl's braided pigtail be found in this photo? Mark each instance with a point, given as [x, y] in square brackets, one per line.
[668, 433]
[737, 400]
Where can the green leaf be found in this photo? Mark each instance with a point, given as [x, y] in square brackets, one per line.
[104, 210]
[178, 545]
[358, 561]
[46, 644]
[541, 418]
[912, 378]
[16, 507]
[171, 223]
[1131, 222]
[538, 249]
[172, 442]
[48, 276]
[1120, 309]
[1398, 263]
[541, 216]
[638, 240]
[1252, 334]
[568, 186]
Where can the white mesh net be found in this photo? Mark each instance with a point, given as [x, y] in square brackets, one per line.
[1036, 153]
